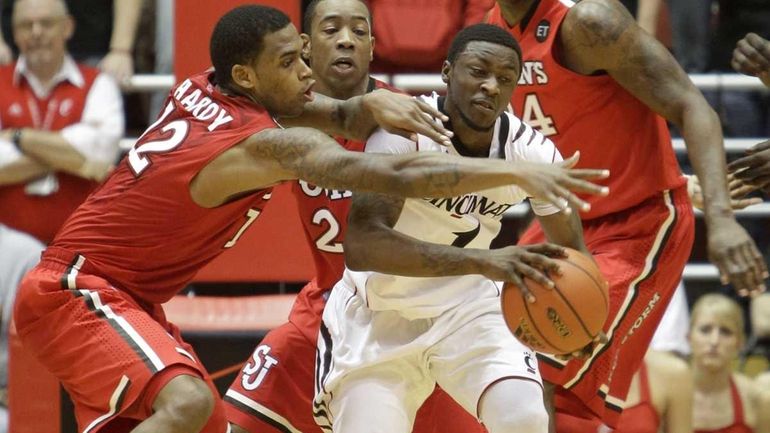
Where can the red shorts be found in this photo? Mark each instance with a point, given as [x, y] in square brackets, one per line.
[274, 390]
[111, 355]
[642, 252]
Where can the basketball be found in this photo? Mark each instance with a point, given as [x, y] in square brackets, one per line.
[564, 319]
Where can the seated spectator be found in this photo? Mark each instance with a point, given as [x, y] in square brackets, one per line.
[414, 35]
[60, 123]
[724, 400]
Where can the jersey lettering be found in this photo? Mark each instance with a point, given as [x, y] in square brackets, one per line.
[326, 242]
[533, 115]
[254, 373]
[137, 159]
[251, 215]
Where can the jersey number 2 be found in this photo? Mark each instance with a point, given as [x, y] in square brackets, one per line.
[137, 158]
[326, 241]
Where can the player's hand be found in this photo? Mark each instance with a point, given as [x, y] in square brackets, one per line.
[6, 56]
[736, 256]
[754, 168]
[555, 183]
[752, 57]
[406, 116]
[738, 190]
[588, 350]
[119, 64]
[514, 263]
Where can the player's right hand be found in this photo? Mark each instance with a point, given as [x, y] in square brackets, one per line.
[558, 183]
[406, 116]
[738, 191]
[514, 263]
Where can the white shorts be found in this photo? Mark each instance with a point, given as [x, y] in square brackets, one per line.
[382, 366]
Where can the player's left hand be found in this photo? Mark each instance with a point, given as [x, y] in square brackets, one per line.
[754, 168]
[737, 257]
[406, 116]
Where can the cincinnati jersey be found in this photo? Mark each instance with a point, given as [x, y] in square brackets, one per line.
[324, 216]
[471, 220]
[141, 229]
[593, 114]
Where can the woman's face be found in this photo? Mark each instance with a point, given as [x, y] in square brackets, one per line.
[715, 339]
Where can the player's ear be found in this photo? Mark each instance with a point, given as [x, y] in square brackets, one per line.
[371, 48]
[445, 71]
[305, 53]
[244, 76]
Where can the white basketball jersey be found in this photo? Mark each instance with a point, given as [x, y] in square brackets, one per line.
[469, 221]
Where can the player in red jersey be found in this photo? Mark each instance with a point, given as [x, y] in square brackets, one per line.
[594, 81]
[274, 391]
[91, 312]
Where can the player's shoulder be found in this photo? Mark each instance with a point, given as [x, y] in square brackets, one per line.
[666, 364]
[596, 21]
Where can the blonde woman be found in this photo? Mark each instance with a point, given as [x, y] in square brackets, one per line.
[724, 401]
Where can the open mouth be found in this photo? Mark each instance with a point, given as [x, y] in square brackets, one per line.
[308, 95]
[343, 64]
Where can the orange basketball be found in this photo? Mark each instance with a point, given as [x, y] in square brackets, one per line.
[564, 319]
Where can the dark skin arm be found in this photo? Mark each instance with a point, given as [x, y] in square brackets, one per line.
[357, 117]
[275, 155]
[371, 240]
[600, 35]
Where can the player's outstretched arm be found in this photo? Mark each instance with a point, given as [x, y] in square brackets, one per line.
[357, 117]
[275, 155]
[372, 244]
[600, 35]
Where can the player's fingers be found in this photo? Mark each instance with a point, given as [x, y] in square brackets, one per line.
[589, 173]
[759, 147]
[737, 273]
[548, 249]
[754, 269]
[753, 50]
[525, 292]
[734, 167]
[584, 186]
[430, 110]
[573, 200]
[743, 203]
[557, 201]
[601, 338]
[571, 161]
[534, 274]
[541, 262]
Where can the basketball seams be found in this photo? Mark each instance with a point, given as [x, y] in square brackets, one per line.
[534, 324]
[574, 312]
[599, 285]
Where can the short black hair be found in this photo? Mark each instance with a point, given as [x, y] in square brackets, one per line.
[307, 18]
[484, 33]
[237, 37]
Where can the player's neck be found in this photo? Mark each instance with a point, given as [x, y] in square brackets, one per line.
[711, 381]
[515, 10]
[340, 92]
[476, 141]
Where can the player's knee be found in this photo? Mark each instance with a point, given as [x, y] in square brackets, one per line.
[185, 400]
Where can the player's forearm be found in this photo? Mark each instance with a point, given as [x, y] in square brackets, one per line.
[564, 229]
[349, 118]
[373, 250]
[703, 137]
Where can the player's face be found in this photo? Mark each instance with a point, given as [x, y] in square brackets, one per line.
[481, 81]
[283, 81]
[714, 340]
[41, 29]
[341, 44]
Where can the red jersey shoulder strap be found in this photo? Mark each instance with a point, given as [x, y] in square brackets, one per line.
[737, 403]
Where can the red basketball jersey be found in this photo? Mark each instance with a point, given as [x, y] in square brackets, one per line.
[593, 114]
[141, 229]
[324, 216]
